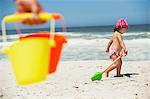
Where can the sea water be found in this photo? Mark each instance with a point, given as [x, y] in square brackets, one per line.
[89, 43]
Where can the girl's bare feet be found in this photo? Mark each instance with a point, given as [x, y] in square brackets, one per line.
[106, 74]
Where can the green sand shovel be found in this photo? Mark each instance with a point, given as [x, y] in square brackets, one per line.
[98, 75]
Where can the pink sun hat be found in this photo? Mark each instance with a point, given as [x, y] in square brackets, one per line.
[121, 23]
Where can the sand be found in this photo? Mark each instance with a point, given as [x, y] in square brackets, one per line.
[72, 81]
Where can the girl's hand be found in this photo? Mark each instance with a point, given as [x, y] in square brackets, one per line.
[107, 50]
[124, 52]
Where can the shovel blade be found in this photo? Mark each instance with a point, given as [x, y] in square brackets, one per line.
[97, 76]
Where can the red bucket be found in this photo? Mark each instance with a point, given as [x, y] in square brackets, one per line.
[55, 51]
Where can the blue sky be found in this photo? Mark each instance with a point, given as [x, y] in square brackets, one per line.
[91, 12]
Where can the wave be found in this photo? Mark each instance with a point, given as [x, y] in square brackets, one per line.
[145, 41]
[141, 37]
[14, 36]
[134, 33]
[82, 41]
[98, 39]
[83, 48]
[134, 43]
[129, 35]
[98, 34]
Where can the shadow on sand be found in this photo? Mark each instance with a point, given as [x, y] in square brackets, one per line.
[127, 74]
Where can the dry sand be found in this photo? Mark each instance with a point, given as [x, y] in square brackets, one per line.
[72, 81]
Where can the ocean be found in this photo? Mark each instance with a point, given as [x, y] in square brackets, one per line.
[89, 43]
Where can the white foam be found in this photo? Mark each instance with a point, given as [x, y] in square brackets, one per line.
[80, 41]
[134, 33]
[71, 33]
[102, 36]
[14, 36]
[78, 34]
[139, 41]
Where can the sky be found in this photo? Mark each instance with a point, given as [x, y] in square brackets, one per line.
[91, 12]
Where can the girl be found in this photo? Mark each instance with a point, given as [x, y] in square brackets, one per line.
[118, 47]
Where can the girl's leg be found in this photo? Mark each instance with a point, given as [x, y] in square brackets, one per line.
[118, 69]
[115, 65]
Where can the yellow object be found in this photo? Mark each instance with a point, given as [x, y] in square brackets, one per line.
[30, 56]
[30, 59]
[5, 50]
[52, 43]
[21, 16]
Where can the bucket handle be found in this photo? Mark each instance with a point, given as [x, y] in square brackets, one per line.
[52, 31]
[4, 37]
[13, 18]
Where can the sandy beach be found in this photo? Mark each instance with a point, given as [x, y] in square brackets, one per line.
[72, 81]
[90, 28]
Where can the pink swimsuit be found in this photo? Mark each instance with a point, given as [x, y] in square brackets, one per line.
[112, 52]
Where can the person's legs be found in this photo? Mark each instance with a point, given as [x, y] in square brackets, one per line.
[115, 65]
[118, 69]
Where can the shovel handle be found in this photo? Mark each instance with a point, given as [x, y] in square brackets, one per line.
[112, 63]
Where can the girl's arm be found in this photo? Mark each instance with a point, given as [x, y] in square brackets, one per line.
[122, 44]
[109, 44]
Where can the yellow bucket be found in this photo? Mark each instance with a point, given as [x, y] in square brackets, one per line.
[29, 56]
[30, 59]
